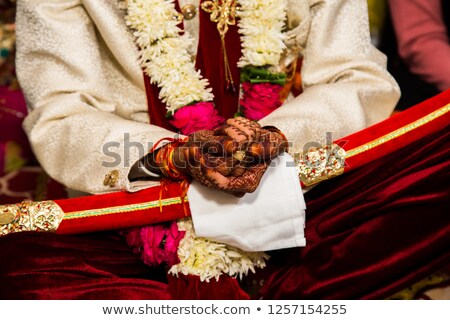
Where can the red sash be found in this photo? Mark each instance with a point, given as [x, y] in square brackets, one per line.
[123, 209]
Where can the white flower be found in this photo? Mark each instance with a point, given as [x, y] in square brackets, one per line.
[261, 24]
[164, 54]
[208, 259]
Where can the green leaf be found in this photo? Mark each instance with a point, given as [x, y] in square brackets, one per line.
[261, 75]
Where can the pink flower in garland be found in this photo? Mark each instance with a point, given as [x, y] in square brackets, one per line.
[173, 238]
[260, 99]
[196, 117]
[157, 243]
[152, 244]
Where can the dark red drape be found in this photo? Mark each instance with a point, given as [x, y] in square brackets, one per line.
[373, 231]
[95, 266]
[369, 233]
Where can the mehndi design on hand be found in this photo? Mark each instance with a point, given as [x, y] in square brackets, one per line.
[232, 158]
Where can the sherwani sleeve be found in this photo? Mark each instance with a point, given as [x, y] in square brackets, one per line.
[75, 124]
[346, 85]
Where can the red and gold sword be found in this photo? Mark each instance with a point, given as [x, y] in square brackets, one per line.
[158, 204]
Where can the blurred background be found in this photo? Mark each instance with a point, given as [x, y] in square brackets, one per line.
[20, 175]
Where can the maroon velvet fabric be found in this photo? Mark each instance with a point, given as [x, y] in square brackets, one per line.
[192, 288]
[95, 266]
[374, 231]
[369, 234]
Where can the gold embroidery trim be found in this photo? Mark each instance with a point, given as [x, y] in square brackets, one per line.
[44, 216]
[399, 132]
[124, 208]
[318, 164]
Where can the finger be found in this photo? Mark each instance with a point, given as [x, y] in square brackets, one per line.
[269, 147]
[236, 166]
[232, 132]
[218, 180]
[259, 150]
[249, 181]
[215, 144]
[276, 137]
[179, 159]
[246, 183]
[221, 165]
[249, 128]
[255, 125]
[238, 170]
[221, 145]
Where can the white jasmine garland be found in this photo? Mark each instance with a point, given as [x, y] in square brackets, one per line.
[208, 259]
[164, 52]
[261, 23]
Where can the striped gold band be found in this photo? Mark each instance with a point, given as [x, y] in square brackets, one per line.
[124, 208]
[399, 132]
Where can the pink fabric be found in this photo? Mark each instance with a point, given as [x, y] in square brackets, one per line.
[422, 39]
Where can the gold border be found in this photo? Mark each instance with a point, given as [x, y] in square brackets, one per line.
[44, 216]
[177, 200]
[121, 209]
[399, 132]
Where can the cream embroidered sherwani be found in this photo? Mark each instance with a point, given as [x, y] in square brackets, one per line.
[78, 67]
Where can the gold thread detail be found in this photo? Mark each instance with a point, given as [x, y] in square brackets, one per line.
[399, 132]
[125, 208]
[223, 12]
[44, 216]
[318, 164]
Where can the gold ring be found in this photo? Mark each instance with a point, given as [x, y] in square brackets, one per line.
[239, 155]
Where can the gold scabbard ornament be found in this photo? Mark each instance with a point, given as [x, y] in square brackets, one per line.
[43, 216]
[318, 164]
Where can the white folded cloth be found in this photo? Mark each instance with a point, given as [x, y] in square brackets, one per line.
[271, 218]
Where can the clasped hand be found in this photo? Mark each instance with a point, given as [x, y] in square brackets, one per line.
[232, 158]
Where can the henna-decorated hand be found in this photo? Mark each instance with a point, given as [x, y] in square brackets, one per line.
[210, 157]
[240, 129]
[216, 172]
[261, 144]
[208, 142]
[271, 144]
